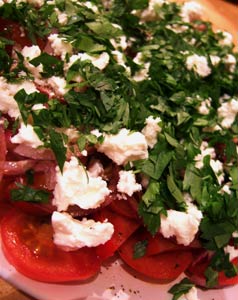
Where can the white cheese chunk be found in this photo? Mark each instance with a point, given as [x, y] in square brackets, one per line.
[30, 53]
[230, 62]
[227, 112]
[124, 146]
[75, 186]
[151, 130]
[232, 251]
[99, 61]
[227, 38]
[27, 136]
[59, 45]
[58, 84]
[205, 150]
[8, 105]
[192, 294]
[198, 64]
[120, 58]
[191, 11]
[217, 167]
[149, 14]
[62, 17]
[205, 106]
[127, 183]
[183, 225]
[71, 234]
[215, 60]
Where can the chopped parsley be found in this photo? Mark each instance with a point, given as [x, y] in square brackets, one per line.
[181, 288]
[29, 194]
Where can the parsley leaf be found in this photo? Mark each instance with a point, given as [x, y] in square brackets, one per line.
[29, 194]
[151, 207]
[140, 249]
[181, 288]
[58, 147]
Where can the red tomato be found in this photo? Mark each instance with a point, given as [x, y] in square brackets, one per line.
[3, 150]
[13, 31]
[28, 246]
[40, 182]
[125, 207]
[164, 267]
[223, 280]
[158, 244]
[196, 272]
[123, 228]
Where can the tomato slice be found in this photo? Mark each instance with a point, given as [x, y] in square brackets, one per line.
[127, 208]
[3, 151]
[223, 280]
[28, 246]
[164, 267]
[196, 272]
[157, 244]
[123, 228]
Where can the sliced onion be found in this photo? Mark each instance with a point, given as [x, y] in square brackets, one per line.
[18, 167]
[39, 154]
[47, 167]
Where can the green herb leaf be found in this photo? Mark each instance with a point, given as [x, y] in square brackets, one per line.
[181, 288]
[211, 277]
[140, 249]
[57, 145]
[29, 194]
[52, 66]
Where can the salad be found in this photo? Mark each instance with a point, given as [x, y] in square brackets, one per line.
[118, 136]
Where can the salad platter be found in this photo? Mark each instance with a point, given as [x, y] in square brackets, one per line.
[118, 150]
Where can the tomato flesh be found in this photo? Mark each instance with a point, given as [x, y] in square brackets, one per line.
[123, 228]
[164, 267]
[30, 249]
[196, 272]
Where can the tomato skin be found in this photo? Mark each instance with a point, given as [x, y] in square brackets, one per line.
[164, 267]
[123, 228]
[157, 244]
[30, 249]
[225, 281]
[36, 209]
[124, 207]
[196, 273]
[3, 151]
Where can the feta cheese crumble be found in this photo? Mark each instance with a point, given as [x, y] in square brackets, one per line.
[191, 11]
[183, 225]
[204, 108]
[205, 150]
[151, 130]
[198, 64]
[227, 112]
[124, 146]
[232, 251]
[71, 234]
[127, 183]
[76, 186]
[8, 104]
[58, 84]
[230, 62]
[59, 45]
[192, 294]
[30, 53]
[227, 38]
[27, 136]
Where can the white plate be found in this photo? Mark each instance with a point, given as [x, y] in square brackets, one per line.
[113, 283]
